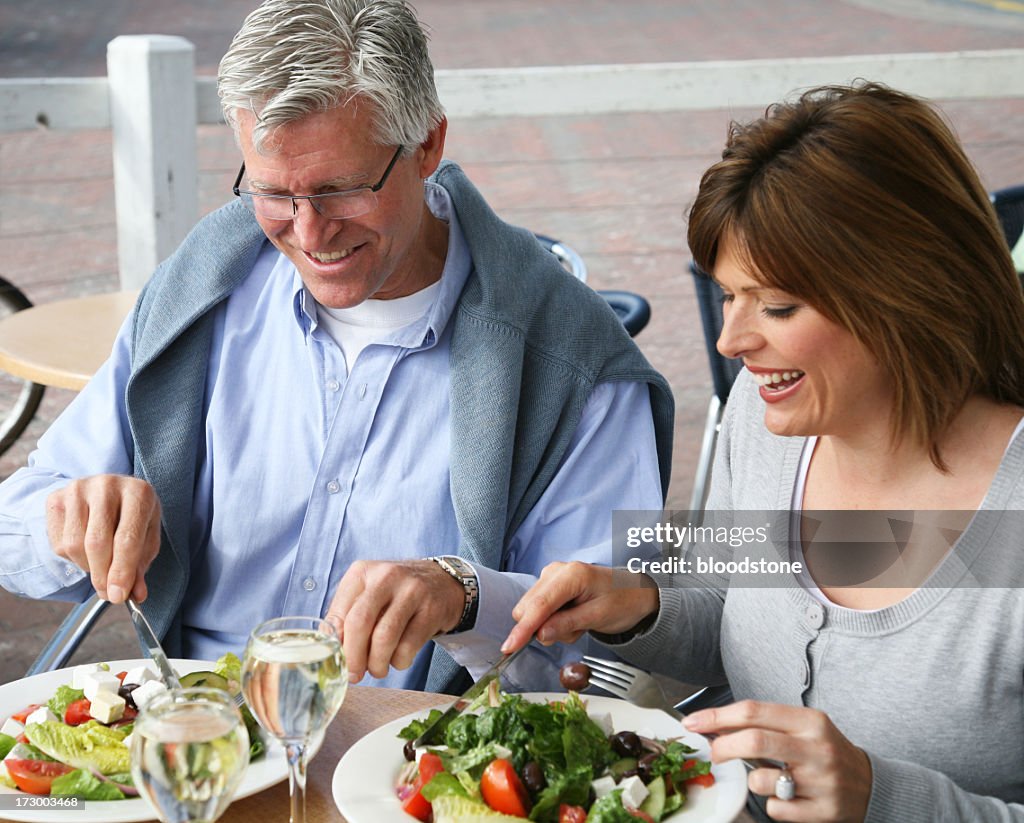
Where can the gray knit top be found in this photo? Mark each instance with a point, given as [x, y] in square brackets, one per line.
[932, 688]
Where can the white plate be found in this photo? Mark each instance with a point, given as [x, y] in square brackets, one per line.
[364, 781]
[270, 769]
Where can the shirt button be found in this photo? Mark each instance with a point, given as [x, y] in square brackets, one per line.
[815, 615]
[309, 584]
[334, 487]
[362, 391]
[69, 570]
[333, 385]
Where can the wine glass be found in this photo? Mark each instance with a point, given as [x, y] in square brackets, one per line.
[294, 679]
[189, 752]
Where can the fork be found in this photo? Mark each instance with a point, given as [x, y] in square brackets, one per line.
[641, 689]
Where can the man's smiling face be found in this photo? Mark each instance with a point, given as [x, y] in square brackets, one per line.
[384, 253]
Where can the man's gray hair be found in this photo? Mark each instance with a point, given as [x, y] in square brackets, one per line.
[292, 58]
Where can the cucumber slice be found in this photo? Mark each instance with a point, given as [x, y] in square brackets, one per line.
[209, 680]
[654, 803]
[619, 768]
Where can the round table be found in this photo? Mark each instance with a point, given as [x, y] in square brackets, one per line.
[63, 343]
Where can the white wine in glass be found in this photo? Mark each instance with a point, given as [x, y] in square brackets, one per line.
[294, 679]
[190, 750]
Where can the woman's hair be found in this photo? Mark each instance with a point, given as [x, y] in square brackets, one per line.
[860, 201]
[292, 58]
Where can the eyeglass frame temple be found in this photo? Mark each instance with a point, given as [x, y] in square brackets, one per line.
[375, 188]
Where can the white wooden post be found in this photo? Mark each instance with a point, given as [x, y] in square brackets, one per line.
[153, 119]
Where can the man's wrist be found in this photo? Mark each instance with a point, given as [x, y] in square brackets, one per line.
[465, 575]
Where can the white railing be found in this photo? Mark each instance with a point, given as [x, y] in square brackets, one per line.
[152, 101]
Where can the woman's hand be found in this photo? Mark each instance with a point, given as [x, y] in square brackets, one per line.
[832, 776]
[572, 598]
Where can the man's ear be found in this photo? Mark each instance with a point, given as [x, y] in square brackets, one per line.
[432, 149]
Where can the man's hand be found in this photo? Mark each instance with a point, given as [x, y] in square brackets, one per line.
[386, 612]
[108, 525]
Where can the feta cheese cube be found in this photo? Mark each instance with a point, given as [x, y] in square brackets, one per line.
[146, 692]
[502, 752]
[98, 682]
[40, 715]
[139, 675]
[604, 721]
[634, 792]
[11, 727]
[603, 785]
[107, 707]
[79, 674]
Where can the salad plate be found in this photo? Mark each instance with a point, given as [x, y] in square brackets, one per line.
[270, 769]
[364, 779]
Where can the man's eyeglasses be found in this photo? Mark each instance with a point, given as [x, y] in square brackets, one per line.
[334, 205]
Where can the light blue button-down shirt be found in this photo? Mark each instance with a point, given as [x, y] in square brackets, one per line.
[306, 467]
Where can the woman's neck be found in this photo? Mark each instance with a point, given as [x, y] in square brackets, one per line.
[867, 469]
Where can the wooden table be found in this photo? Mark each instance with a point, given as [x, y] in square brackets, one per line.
[365, 708]
[63, 343]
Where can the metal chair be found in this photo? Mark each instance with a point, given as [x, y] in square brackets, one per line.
[1009, 206]
[69, 634]
[633, 310]
[723, 373]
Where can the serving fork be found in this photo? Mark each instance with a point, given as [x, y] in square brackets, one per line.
[641, 689]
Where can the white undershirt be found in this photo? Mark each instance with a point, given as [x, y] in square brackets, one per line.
[796, 548]
[374, 321]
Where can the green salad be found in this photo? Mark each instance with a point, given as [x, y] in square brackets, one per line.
[70, 746]
[546, 762]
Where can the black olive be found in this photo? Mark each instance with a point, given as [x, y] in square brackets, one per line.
[575, 677]
[533, 777]
[643, 767]
[409, 750]
[627, 744]
[125, 691]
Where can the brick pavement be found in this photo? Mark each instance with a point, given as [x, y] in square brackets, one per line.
[615, 187]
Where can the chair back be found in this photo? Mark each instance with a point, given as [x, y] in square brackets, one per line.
[709, 302]
[1009, 206]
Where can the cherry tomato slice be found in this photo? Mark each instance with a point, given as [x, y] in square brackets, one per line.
[502, 789]
[416, 804]
[35, 776]
[571, 814]
[22, 716]
[77, 712]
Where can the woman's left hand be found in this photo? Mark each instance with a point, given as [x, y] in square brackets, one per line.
[832, 777]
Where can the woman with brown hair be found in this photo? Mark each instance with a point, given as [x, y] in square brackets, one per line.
[872, 299]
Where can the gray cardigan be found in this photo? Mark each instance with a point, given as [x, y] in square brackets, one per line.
[529, 343]
[931, 687]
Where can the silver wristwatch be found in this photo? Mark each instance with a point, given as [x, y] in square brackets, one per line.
[466, 575]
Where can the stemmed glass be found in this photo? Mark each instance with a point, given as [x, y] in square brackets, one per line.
[189, 752]
[294, 679]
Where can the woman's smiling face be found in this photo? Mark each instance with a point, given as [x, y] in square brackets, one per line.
[815, 377]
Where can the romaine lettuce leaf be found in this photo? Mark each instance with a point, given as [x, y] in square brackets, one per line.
[64, 697]
[82, 784]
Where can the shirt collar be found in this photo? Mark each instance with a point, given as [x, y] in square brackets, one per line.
[457, 267]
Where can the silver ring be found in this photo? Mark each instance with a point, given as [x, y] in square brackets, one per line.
[785, 786]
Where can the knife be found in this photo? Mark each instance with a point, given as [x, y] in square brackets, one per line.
[149, 643]
[434, 733]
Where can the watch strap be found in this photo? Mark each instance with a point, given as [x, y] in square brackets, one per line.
[466, 575]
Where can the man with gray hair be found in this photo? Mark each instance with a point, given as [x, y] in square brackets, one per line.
[394, 413]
